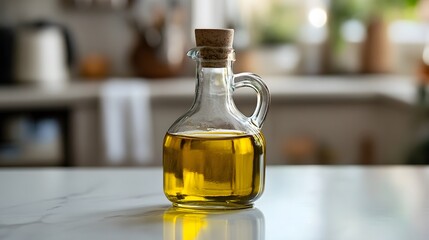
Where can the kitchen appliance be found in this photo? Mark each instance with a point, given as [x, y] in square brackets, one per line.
[7, 40]
[43, 53]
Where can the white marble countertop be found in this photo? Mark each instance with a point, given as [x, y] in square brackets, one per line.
[329, 203]
[356, 87]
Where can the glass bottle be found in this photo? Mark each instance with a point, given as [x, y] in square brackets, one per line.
[213, 155]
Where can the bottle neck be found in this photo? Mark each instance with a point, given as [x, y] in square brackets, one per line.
[214, 87]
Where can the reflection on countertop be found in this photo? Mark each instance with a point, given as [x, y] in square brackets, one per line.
[198, 224]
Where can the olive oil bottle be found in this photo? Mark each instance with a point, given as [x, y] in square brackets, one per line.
[210, 167]
[214, 156]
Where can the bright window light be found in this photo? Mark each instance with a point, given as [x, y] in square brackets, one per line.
[317, 17]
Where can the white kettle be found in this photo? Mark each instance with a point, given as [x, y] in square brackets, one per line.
[43, 53]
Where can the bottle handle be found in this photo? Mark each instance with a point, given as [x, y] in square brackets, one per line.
[263, 95]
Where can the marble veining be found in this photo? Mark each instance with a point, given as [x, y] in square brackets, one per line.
[384, 203]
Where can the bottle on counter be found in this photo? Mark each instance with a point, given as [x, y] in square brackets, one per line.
[214, 156]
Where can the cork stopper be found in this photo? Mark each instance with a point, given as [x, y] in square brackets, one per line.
[214, 37]
[216, 46]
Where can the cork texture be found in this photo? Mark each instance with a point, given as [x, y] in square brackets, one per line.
[215, 44]
[214, 37]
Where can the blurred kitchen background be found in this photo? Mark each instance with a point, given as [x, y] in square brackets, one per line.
[98, 82]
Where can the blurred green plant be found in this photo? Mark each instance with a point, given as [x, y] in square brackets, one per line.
[364, 11]
[278, 26]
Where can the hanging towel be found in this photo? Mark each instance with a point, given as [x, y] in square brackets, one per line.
[127, 121]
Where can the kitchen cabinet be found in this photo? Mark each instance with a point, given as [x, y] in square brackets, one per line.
[34, 137]
[342, 129]
[348, 121]
[77, 108]
[338, 120]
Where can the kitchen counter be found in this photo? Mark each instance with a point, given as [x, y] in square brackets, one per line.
[393, 87]
[313, 202]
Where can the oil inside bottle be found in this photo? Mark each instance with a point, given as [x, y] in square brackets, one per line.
[213, 169]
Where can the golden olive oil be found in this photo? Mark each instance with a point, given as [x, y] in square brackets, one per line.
[214, 168]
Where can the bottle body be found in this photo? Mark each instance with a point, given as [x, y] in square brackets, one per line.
[217, 169]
